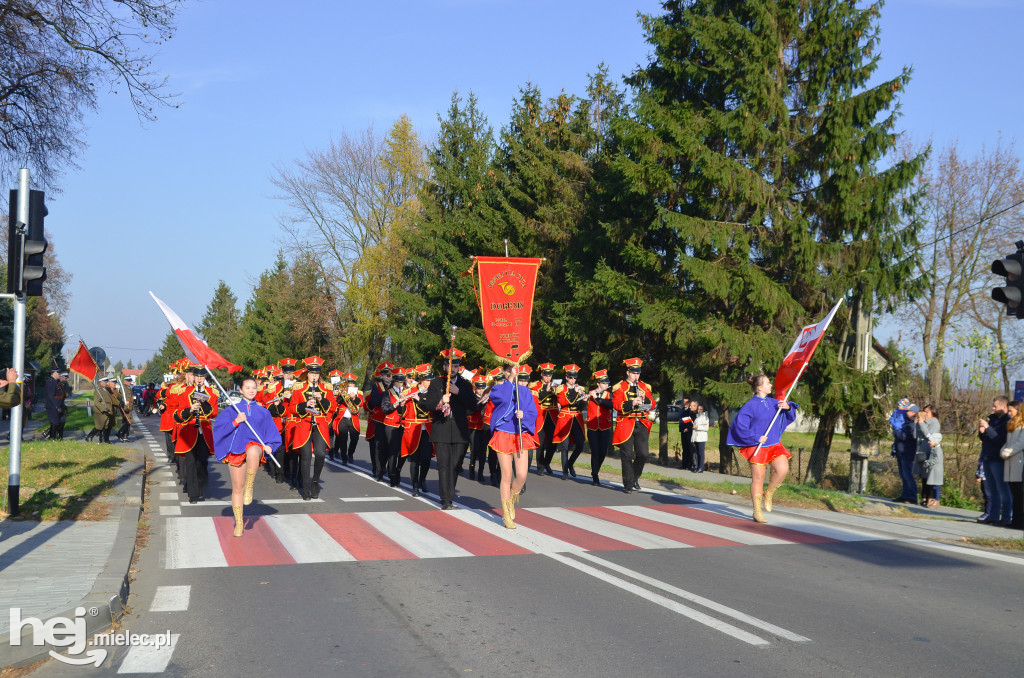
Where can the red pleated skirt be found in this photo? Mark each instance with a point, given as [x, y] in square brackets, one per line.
[765, 455]
[504, 442]
[238, 458]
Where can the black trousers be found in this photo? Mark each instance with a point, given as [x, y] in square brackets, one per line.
[633, 454]
[546, 450]
[419, 463]
[281, 455]
[57, 420]
[194, 468]
[478, 447]
[698, 457]
[575, 439]
[389, 446]
[312, 454]
[347, 439]
[448, 455]
[687, 461]
[600, 442]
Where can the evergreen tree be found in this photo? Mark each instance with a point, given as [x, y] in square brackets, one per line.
[159, 364]
[266, 334]
[219, 326]
[746, 195]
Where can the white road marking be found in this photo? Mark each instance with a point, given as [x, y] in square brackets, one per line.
[699, 600]
[148, 659]
[413, 537]
[171, 599]
[193, 542]
[170, 510]
[371, 498]
[960, 550]
[720, 531]
[290, 500]
[528, 539]
[165, 483]
[629, 535]
[305, 540]
[172, 496]
[667, 603]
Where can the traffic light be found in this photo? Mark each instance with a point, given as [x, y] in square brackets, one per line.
[33, 273]
[26, 245]
[1011, 268]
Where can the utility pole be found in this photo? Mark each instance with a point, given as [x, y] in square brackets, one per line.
[18, 362]
[861, 447]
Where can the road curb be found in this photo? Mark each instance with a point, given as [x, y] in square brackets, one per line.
[109, 592]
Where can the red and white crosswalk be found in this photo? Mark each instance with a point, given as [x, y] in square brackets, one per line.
[283, 539]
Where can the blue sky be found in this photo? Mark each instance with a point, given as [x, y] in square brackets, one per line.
[187, 200]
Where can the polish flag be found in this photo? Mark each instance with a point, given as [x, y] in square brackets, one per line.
[83, 363]
[800, 354]
[196, 349]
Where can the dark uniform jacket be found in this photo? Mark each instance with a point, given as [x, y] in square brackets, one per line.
[455, 427]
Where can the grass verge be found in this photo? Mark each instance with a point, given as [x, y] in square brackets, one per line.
[1001, 543]
[64, 480]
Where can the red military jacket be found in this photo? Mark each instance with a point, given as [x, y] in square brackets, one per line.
[347, 403]
[319, 417]
[547, 403]
[599, 417]
[169, 395]
[622, 397]
[415, 422]
[193, 424]
[572, 405]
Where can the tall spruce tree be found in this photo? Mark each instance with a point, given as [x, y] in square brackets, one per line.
[220, 324]
[746, 195]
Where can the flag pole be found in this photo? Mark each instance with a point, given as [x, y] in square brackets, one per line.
[785, 399]
[235, 405]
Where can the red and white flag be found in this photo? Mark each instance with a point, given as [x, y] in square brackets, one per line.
[800, 354]
[83, 363]
[196, 349]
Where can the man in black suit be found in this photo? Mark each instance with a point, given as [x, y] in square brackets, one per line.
[56, 411]
[450, 431]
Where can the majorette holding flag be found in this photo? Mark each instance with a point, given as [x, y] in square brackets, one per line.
[196, 349]
[795, 362]
[83, 363]
[504, 292]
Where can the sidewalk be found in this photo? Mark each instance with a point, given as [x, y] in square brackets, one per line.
[941, 523]
[48, 569]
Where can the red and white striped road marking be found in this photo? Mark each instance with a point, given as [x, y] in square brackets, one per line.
[283, 539]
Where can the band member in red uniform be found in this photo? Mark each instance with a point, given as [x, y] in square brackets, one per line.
[479, 431]
[277, 402]
[389, 447]
[313, 406]
[494, 377]
[548, 417]
[350, 401]
[417, 422]
[197, 407]
[599, 423]
[379, 436]
[632, 400]
[166, 405]
[571, 423]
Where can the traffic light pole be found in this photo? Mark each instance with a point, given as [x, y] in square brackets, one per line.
[18, 362]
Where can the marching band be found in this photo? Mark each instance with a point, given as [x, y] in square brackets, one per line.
[413, 415]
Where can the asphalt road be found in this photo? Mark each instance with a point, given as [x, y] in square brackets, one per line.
[594, 583]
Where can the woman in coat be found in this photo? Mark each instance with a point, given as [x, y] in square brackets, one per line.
[929, 457]
[1013, 463]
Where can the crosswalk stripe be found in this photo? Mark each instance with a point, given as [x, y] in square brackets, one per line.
[148, 658]
[193, 542]
[171, 598]
[257, 546]
[585, 539]
[678, 534]
[413, 537]
[362, 540]
[746, 524]
[305, 540]
[637, 538]
[524, 537]
[478, 542]
[711, 529]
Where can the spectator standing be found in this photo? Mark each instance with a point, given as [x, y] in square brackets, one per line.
[1013, 463]
[701, 424]
[992, 433]
[904, 448]
[929, 457]
[686, 434]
